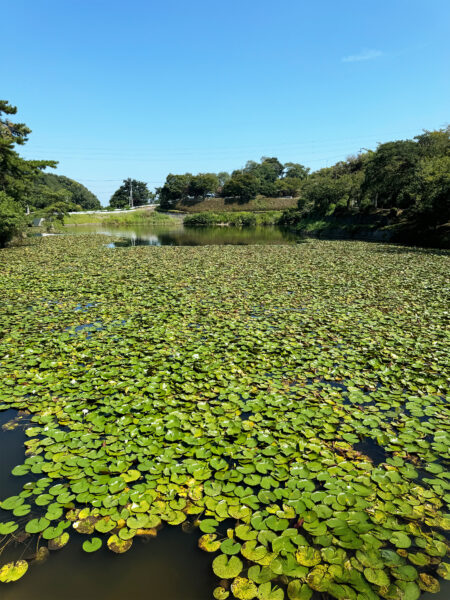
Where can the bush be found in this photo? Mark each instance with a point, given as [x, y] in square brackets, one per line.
[12, 219]
[232, 219]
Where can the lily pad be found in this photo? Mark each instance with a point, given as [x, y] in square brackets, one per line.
[93, 544]
[227, 567]
[13, 571]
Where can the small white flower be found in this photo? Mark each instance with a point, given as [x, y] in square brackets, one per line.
[85, 411]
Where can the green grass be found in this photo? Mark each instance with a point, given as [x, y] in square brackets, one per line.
[258, 204]
[108, 218]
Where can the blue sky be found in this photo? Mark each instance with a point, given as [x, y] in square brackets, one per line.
[116, 89]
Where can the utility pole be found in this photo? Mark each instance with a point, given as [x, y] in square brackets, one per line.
[131, 193]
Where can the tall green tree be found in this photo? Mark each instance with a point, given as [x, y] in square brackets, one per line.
[295, 170]
[203, 184]
[175, 189]
[268, 170]
[17, 175]
[390, 172]
[244, 186]
[137, 189]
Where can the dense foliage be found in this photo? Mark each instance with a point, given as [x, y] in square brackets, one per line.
[131, 188]
[49, 187]
[409, 180]
[17, 175]
[289, 401]
[406, 183]
[269, 178]
[233, 219]
[12, 219]
[23, 185]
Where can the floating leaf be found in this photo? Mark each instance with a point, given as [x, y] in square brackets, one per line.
[8, 527]
[93, 544]
[227, 567]
[298, 590]
[58, 542]
[244, 589]
[13, 571]
[118, 545]
[209, 542]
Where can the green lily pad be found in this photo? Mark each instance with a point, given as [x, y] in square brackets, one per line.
[308, 556]
[92, 544]
[376, 576]
[37, 525]
[444, 570]
[297, 590]
[227, 567]
[8, 527]
[220, 593]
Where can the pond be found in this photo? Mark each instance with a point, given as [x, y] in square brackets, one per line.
[283, 405]
[178, 235]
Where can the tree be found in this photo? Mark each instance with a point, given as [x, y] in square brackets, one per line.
[295, 171]
[288, 186]
[390, 172]
[322, 191]
[432, 191]
[244, 186]
[175, 189]
[269, 169]
[434, 143]
[223, 177]
[12, 219]
[203, 184]
[139, 190]
[78, 194]
[17, 175]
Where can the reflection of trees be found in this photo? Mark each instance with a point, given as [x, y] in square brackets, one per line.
[193, 236]
[203, 236]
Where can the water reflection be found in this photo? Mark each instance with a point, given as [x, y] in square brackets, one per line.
[177, 235]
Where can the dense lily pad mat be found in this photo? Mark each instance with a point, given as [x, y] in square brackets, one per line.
[243, 390]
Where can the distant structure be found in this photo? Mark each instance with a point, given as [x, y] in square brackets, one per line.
[38, 222]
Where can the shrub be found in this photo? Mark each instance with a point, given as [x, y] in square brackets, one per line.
[12, 219]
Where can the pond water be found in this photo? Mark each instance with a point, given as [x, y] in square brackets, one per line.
[178, 235]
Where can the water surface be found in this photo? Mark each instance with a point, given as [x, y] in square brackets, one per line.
[178, 235]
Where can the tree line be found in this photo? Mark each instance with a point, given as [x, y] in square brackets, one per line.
[269, 178]
[409, 178]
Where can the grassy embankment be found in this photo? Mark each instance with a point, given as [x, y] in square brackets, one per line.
[258, 204]
[124, 218]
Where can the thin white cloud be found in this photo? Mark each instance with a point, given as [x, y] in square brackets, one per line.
[363, 55]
